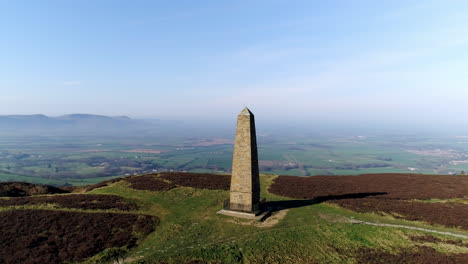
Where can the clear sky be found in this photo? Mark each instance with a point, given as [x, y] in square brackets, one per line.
[302, 60]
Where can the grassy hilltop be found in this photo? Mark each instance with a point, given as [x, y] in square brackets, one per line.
[338, 225]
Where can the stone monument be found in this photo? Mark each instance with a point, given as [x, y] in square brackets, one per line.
[245, 182]
[244, 198]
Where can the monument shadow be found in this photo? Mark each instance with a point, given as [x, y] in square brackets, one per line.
[288, 204]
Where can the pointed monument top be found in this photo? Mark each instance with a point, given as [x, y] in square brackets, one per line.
[246, 111]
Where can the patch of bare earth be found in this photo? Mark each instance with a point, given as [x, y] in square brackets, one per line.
[394, 186]
[19, 189]
[149, 182]
[392, 194]
[198, 180]
[40, 236]
[418, 255]
[78, 201]
[447, 214]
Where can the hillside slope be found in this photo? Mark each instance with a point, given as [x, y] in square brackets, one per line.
[317, 223]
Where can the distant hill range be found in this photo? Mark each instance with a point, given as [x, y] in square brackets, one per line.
[72, 123]
[18, 121]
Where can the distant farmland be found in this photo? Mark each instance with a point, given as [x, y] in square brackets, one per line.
[83, 160]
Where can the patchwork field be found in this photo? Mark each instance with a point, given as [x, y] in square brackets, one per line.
[380, 218]
[84, 160]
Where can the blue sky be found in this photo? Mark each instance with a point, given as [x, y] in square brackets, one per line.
[301, 60]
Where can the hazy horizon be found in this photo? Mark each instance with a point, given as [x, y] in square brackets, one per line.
[220, 127]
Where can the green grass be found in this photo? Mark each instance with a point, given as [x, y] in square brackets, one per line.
[190, 229]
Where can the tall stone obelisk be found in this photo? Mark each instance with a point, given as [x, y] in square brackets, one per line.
[245, 182]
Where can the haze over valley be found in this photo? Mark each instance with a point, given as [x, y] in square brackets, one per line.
[82, 149]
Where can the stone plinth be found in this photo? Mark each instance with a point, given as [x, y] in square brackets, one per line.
[260, 216]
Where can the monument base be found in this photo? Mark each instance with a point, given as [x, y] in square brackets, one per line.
[260, 216]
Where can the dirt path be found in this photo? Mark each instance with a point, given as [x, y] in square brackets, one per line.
[408, 227]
